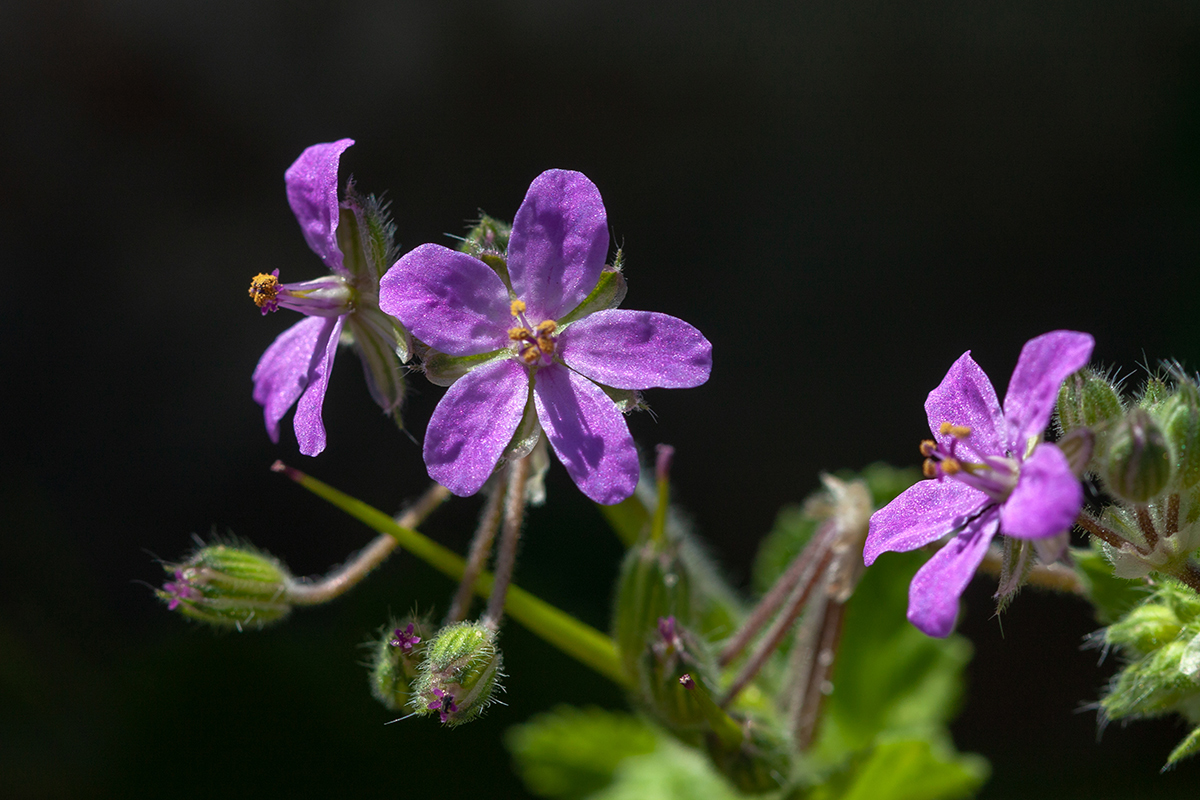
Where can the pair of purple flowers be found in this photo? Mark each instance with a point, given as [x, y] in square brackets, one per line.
[532, 343]
[989, 472]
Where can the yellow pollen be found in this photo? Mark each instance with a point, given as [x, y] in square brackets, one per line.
[957, 431]
[929, 468]
[928, 447]
[519, 334]
[546, 327]
[951, 466]
[517, 307]
[545, 344]
[530, 355]
[263, 289]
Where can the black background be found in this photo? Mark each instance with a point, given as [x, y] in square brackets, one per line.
[843, 196]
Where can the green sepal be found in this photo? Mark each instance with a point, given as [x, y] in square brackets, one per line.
[528, 431]
[1179, 416]
[488, 235]
[393, 670]
[609, 292]
[1138, 465]
[462, 664]
[365, 235]
[1190, 746]
[626, 400]
[444, 370]
[229, 586]
[1151, 686]
[383, 345]
[1089, 400]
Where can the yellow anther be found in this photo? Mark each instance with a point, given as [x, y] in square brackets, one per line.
[545, 344]
[546, 327]
[928, 447]
[957, 431]
[263, 289]
[950, 466]
[519, 334]
[517, 307]
[530, 356]
[929, 468]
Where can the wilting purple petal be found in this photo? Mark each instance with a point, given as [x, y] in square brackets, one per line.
[473, 423]
[923, 513]
[282, 372]
[935, 590]
[1046, 499]
[588, 434]
[558, 244]
[310, 430]
[966, 397]
[636, 350]
[312, 192]
[449, 300]
[1045, 363]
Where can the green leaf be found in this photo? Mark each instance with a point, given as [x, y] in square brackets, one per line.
[889, 677]
[1190, 746]
[671, 772]
[1112, 597]
[572, 752]
[906, 769]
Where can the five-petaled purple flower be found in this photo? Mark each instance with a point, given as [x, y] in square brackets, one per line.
[297, 364]
[532, 354]
[990, 473]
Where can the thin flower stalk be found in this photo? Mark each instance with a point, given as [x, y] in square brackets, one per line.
[477, 556]
[506, 557]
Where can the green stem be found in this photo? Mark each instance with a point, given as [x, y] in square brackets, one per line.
[580, 641]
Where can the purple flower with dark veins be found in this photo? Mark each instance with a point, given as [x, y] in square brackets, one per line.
[530, 355]
[295, 369]
[405, 639]
[990, 472]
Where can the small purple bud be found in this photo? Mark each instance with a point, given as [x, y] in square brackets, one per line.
[662, 463]
[686, 681]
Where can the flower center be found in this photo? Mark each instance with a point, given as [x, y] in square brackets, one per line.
[264, 291]
[533, 343]
[995, 476]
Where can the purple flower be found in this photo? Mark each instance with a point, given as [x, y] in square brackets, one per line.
[528, 347]
[991, 473]
[295, 368]
[405, 639]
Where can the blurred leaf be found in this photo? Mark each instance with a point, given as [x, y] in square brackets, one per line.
[1112, 597]
[887, 482]
[1190, 746]
[672, 772]
[571, 752]
[889, 677]
[906, 770]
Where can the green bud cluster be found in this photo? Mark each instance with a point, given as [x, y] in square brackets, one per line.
[229, 586]
[1161, 640]
[396, 656]
[1089, 400]
[460, 674]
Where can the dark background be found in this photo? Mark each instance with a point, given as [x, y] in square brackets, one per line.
[843, 196]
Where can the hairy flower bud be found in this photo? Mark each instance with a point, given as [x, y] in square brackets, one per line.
[1179, 416]
[460, 675]
[1144, 629]
[228, 586]
[1139, 465]
[396, 657]
[1089, 400]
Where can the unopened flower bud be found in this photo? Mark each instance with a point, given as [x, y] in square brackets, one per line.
[1179, 416]
[396, 657]
[1139, 461]
[1089, 400]
[1144, 629]
[460, 674]
[653, 585]
[228, 586]
[1152, 685]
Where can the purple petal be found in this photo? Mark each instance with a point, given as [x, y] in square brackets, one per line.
[966, 397]
[472, 424]
[936, 588]
[1044, 364]
[588, 433]
[282, 372]
[310, 430]
[558, 244]
[1046, 499]
[312, 191]
[449, 300]
[924, 513]
[637, 350]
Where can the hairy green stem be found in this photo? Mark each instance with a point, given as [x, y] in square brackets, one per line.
[580, 641]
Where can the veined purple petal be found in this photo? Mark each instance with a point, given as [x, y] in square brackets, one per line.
[936, 588]
[472, 424]
[966, 397]
[558, 244]
[636, 350]
[312, 192]
[587, 433]
[1046, 499]
[449, 300]
[282, 372]
[923, 513]
[310, 430]
[1045, 363]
